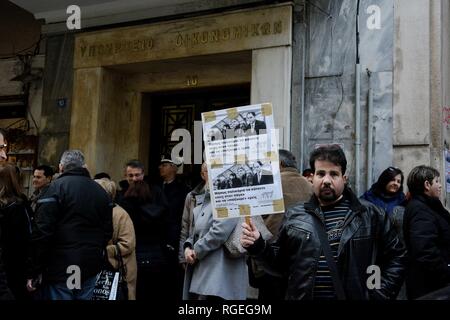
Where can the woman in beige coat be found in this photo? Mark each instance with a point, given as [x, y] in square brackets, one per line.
[124, 236]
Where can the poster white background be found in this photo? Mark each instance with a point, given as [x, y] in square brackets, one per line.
[243, 164]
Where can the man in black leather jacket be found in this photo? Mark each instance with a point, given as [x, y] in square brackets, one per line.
[360, 236]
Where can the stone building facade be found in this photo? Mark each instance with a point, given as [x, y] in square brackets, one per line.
[300, 55]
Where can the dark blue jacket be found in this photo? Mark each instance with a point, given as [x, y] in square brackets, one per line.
[386, 203]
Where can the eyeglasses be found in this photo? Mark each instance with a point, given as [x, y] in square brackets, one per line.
[3, 146]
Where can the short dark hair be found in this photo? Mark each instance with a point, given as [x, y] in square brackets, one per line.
[418, 176]
[385, 177]
[287, 159]
[135, 164]
[48, 171]
[332, 153]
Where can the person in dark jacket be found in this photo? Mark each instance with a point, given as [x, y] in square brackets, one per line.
[426, 229]
[16, 232]
[295, 189]
[5, 292]
[387, 192]
[42, 176]
[245, 177]
[253, 126]
[148, 210]
[359, 237]
[235, 181]
[134, 171]
[175, 191]
[260, 176]
[72, 226]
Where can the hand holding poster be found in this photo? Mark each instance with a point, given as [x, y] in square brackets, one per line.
[241, 149]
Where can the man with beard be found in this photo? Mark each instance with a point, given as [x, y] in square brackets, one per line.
[329, 246]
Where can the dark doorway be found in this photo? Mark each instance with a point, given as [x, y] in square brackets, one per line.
[179, 109]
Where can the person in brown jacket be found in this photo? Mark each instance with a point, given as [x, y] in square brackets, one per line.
[124, 236]
[295, 189]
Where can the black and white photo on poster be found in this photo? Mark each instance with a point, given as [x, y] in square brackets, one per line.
[244, 175]
[241, 149]
[240, 124]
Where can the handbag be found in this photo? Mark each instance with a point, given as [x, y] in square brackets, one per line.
[233, 248]
[111, 284]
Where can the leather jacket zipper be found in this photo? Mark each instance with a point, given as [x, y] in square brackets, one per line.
[308, 233]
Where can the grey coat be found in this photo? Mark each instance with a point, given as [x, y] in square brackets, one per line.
[214, 274]
[188, 215]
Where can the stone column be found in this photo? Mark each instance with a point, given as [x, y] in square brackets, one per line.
[271, 82]
[412, 92]
[106, 120]
[56, 99]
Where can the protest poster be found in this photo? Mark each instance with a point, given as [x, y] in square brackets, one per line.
[241, 150]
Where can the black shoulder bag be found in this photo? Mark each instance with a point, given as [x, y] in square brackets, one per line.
[111, 284]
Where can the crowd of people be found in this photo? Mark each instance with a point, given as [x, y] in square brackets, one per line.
[172, 248]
